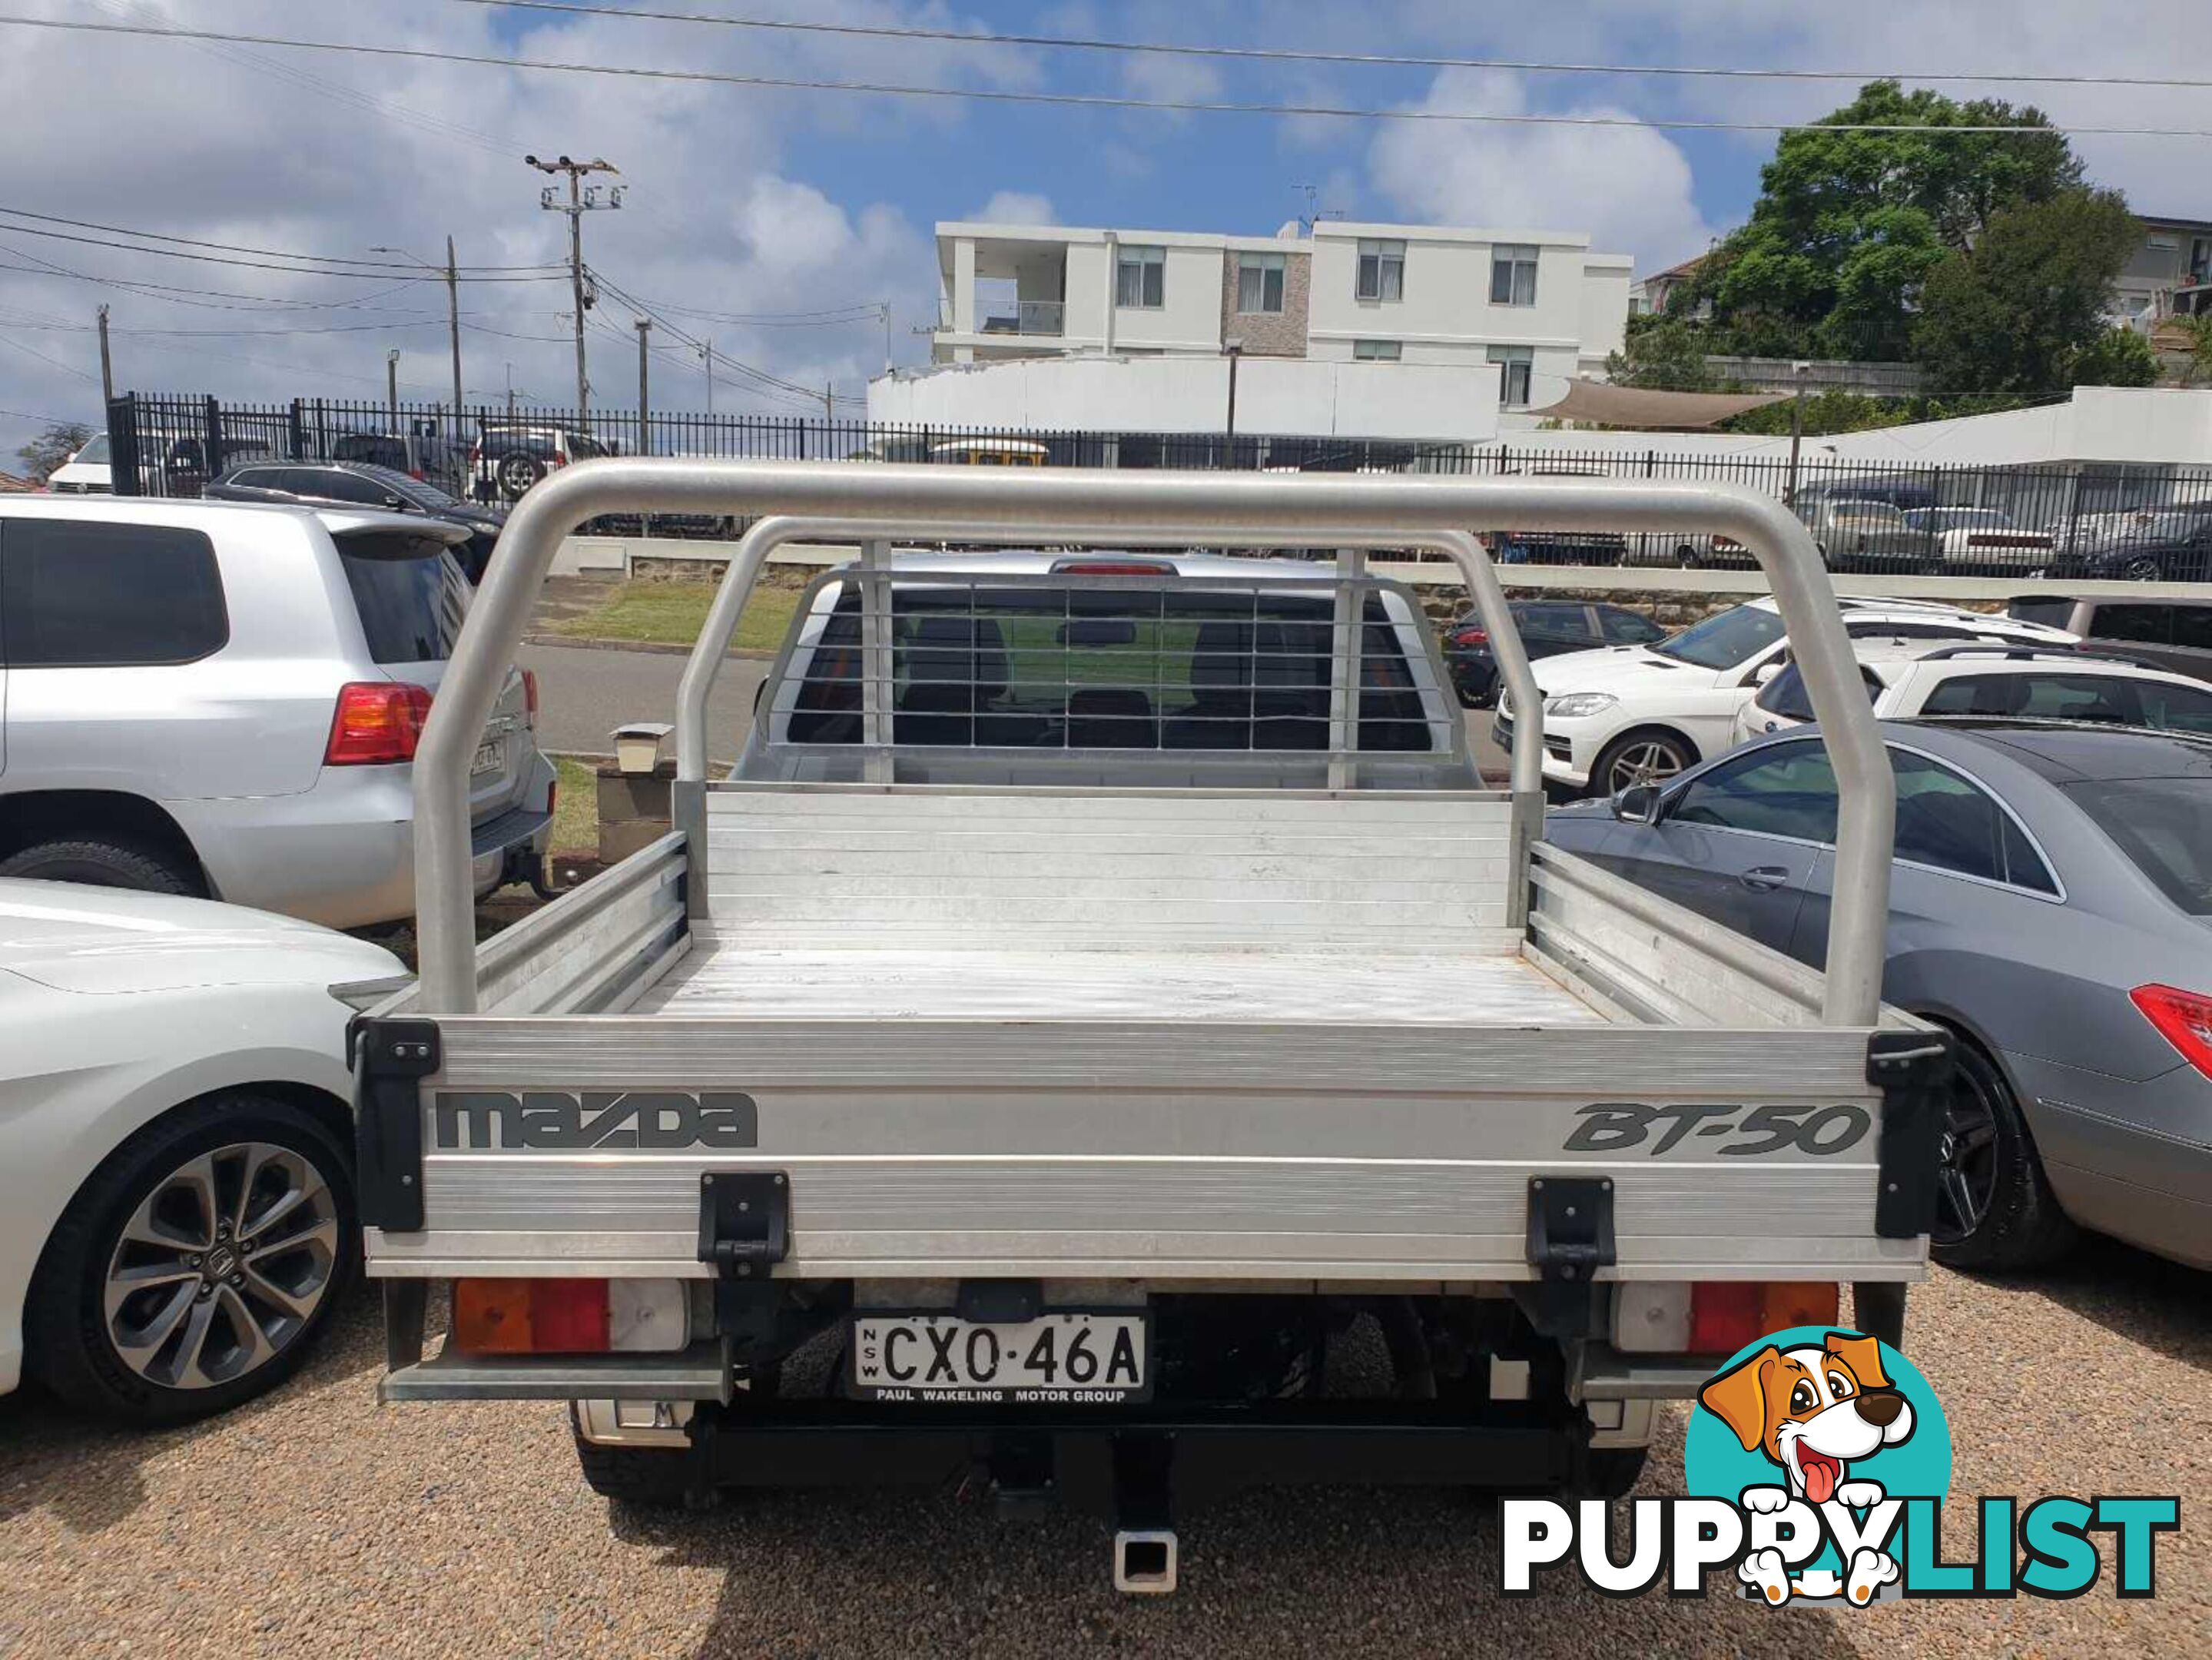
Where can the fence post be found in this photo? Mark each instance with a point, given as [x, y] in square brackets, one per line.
[123, 445]
[293, 433]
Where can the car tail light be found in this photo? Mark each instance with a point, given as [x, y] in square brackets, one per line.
[556, 459]
[530, 692]
[1470, 636]
[377, 723]
[570, 1316]
[1726, 1314]
[2183, 1019]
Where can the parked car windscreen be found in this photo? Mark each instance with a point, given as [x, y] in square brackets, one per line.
[94, 454]
[1722, 641]
[410, 596]
[1786, 694]
[2052, 613]
[2164, 825]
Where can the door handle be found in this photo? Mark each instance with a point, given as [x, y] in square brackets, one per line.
[1765, 879]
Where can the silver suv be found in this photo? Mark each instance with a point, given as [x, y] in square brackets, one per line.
[222, 700]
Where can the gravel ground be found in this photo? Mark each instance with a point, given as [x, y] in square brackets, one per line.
[317, 1522]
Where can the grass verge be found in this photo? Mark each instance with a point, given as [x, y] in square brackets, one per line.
[671, 614]
[576, 810]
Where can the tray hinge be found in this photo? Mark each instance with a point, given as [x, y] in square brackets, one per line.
[390, 1059]
[1569, 1239]
[744, 1231]
[1912, 1070]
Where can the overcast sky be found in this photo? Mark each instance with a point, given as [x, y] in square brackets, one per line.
[748, 203]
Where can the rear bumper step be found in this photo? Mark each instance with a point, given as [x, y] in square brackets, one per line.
[698, 1373]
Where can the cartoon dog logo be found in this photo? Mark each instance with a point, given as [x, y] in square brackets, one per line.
[1811, 1411]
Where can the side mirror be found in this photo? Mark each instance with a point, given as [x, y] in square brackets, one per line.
[1637, 805]
[1765, 671]
[396, 502]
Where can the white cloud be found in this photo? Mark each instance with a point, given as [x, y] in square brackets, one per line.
[1015, 207]
[1629, 187]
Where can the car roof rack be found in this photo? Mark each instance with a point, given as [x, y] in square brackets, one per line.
[2029, 653]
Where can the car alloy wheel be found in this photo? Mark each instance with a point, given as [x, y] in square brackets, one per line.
[1644, 761]
[2141, 568]
[221, 1266]
[1966, 1177]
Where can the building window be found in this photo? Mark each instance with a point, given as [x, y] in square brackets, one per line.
[2200, 261]
[1260, 283]
[1512, 275]
[1382, 271]
[1376, 351]
[1517, 366]
[1140, 278]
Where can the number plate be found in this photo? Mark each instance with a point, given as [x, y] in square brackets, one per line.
[1059, 1357]
[490, 757]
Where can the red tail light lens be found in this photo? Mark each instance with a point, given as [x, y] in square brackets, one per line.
[530, 692]
[377, 723]
[531, 1317]
[2183, 1018]
[1726, 1314]
[1470, 636]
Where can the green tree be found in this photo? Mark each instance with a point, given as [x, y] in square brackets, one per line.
[53, 447]
[1848, 225]
[2014, 315]
[2118, 357]
[1661, 352]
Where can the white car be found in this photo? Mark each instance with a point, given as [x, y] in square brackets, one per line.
[177, 1215]
[1633, 715]
[85, 473]
[1998, 683]
[1974, 539]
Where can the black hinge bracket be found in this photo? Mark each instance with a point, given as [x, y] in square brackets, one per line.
[744, 1231]
[1569, 1239]
[391, 1058]
[1912, 1070]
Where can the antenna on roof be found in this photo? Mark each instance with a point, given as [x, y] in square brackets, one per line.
[1306, 220]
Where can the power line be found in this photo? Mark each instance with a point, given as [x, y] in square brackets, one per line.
[379, 266]
[1301, 55]
[1087, 100]
[55, 362]
[371, 274]
[201, 299]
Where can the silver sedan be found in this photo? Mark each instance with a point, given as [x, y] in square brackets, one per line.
[2051, 905]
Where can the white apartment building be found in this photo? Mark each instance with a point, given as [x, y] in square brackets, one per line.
[1539, 306]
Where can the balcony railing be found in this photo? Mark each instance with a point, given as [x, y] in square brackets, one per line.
[1031, 317]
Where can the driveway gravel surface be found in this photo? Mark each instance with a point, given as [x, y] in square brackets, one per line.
[319, 1524]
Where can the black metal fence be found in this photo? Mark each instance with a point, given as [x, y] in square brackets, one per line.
[2149, 521]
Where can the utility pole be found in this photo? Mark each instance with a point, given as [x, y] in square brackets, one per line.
[887, 339]
[706, 357]
[453, 326]
[391, 386]
[644, 326]
[106, 368]
[828, 402]
[453, 309]
[580, 201]
[510, 394]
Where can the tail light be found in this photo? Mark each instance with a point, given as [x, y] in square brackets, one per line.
[530, 692]
[556, 459]
[570, 1316]
[2183, 1018]
[1470, 636]
[476, 455]
[377, 723]
[1716, 1316]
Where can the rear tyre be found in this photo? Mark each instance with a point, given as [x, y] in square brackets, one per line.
[197, 1265]
[102, 862]
[649, 1478]
[1640, 757]
[1995, 1210]
[1685, 557]
[2142, 568]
